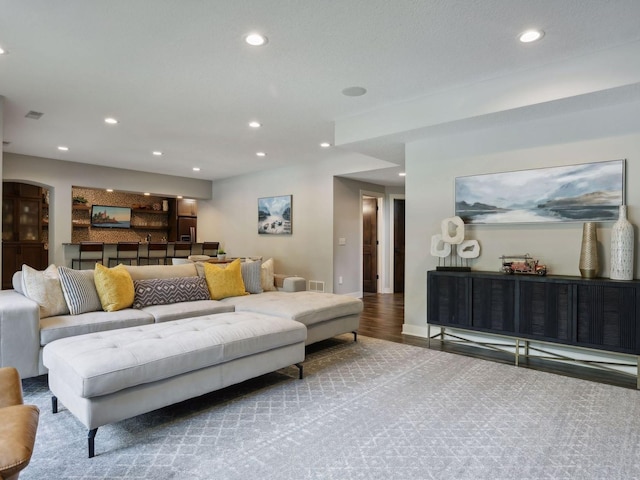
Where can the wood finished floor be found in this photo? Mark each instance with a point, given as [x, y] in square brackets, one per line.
[383, 317]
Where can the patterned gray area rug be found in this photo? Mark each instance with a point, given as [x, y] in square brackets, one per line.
[366, 410]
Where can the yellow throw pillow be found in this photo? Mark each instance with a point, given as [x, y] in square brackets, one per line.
[115, 287]
[224, 282]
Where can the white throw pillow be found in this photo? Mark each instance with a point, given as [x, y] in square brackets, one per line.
[45, 289]
[79, 289]
[266, 276]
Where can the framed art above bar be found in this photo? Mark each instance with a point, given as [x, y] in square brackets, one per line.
[274, 215]
[589, 192]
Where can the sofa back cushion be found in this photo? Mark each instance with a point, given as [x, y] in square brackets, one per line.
[163, 291]
[146, 272]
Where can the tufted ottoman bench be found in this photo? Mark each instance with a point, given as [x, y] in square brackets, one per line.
[109, 376]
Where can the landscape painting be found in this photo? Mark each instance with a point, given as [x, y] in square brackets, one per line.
[588, 192]
[274, 215]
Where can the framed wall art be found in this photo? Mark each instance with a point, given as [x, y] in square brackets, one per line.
[274, 215]
[588, 192]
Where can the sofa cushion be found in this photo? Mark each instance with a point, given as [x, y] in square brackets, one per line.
[224, 282]
[176, 311]
[251, 276]
[305, 307]
[79, 290]
[115, 287]
[161, 291]
[107, 362]
[43, 287]
[144, 272]
[266, 276]
[62, 326]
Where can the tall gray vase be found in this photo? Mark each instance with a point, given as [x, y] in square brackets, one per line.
[622, 248]
[589, 251]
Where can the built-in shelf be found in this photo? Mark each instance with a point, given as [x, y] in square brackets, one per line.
[148, 227]
[148, 210]
[81, 207]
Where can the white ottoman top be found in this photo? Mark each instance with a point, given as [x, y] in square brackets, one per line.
[106, 362]
[305, 307]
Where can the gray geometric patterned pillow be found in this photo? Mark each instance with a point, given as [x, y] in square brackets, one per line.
[79, 290]
[162, 291]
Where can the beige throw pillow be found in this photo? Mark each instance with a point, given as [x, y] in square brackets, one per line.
[44, 288]
[266, 276]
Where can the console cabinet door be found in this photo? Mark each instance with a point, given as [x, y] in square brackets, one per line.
[493, 304]
[545, 310]
[606, 317]
[448, 300]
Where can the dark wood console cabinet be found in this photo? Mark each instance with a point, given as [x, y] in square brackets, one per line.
[593, 313]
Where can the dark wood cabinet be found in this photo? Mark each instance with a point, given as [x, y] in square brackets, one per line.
[22, 221]
[593, 313]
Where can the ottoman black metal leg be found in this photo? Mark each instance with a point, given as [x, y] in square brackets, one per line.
[301, 370]
[355, 336]
[91, 441]
[54, 404]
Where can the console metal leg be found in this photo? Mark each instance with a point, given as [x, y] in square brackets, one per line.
[300, 370]
[54, 404]
[91, 442]
[355, 336]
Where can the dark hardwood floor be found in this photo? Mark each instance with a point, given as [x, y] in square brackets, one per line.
[383, 317]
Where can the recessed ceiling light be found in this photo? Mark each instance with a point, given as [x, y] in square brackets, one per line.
[63, 148]
[256, 40]
[2, 51]
[354, 91]
[110, 120]
[146, 194]
[531, 36]
[109, 189]
[179, 196]
[255, 124]
[261, 154]
[196, 169]
[157, 153]
[403, 174]
[325, 144]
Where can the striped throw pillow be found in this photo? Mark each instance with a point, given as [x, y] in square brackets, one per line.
[79, 290]
[251, 276]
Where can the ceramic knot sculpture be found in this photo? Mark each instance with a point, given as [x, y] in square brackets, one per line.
[450, 245]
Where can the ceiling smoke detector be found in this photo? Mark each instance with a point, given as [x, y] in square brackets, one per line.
[34, 115]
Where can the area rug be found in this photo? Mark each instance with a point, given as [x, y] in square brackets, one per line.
[366, 410]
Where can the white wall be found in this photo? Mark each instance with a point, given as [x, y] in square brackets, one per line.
[309, 250]
[59, 176]
[432, 165]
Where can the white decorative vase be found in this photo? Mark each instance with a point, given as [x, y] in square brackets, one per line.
[622, 248]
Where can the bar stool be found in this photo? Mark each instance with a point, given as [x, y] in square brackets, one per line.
[127, 252]
[89, 252]
[210, 248]
[156, 251]
[181, 249]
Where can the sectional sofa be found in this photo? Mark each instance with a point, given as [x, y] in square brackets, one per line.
[60, 303]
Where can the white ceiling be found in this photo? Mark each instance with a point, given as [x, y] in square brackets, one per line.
[180, 79]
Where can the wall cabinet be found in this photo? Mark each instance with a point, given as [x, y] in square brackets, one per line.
[22, 220]
[593, 313]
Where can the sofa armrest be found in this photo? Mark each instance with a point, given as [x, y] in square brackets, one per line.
[289, 283]
[19, 333]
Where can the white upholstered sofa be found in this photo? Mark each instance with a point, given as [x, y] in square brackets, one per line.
[26, 327]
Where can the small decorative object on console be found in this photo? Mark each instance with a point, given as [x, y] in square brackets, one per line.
[450, 244]
[522, 264]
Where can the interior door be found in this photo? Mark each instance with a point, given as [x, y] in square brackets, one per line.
[398, 245]
[369, 245]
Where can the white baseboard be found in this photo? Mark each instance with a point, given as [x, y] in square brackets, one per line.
[387, 290]
[353, 294]
[414, 330]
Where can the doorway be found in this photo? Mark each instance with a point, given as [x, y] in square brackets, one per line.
[398, 245]
[369, 244]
